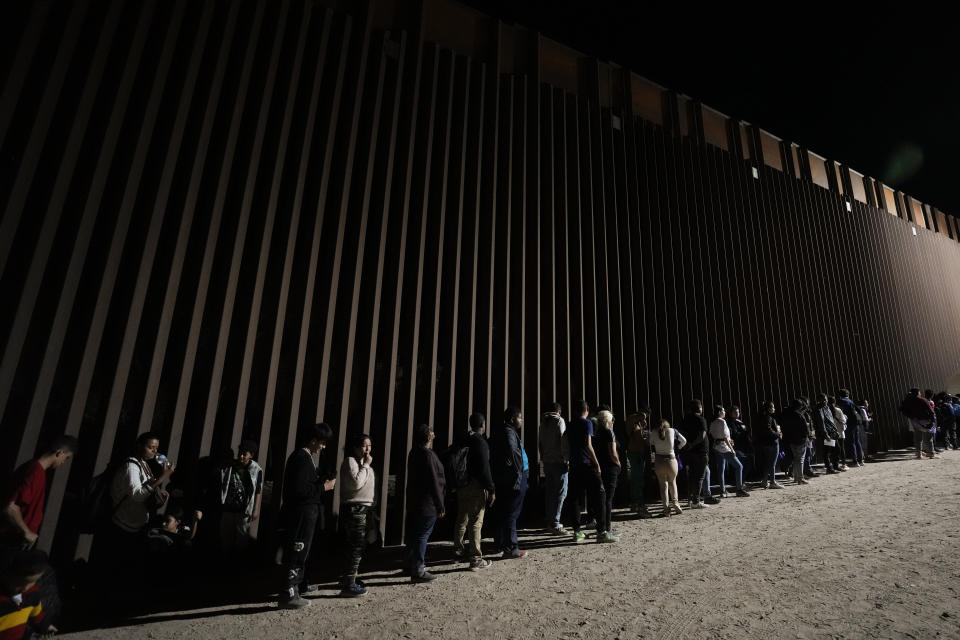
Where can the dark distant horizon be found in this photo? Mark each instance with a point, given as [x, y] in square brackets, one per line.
[863, 114]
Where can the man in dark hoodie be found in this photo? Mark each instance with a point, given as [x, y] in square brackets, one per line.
[303, 489]
[796, 436]
[425, 486]
[853, 440]
[696, 455]
[506, 463]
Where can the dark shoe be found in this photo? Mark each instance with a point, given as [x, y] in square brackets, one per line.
[426, 576]
[644, 514]
[831, 471]
[742, 494]
[291, 599]
[516, 554]
[711, 500]
[353, 591]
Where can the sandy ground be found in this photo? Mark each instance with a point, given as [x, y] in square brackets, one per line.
[871, 553]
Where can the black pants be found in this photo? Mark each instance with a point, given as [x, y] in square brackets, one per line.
[301, 524]
[584, 480]
[831, 458]
[696, 467]
[609, 476]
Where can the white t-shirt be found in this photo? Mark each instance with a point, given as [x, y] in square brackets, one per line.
[665, 446]
[720, 433]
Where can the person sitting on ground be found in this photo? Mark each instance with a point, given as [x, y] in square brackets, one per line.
[506, 466]
[724, 452]
[663, 441]
[696, 455]
[554, 458]
[303, 489]
[606, 452]
[584, 472]
[827, 433]
[638, 457]
[169, 533]
[767, 435]
[795, 435]
[21, 611]
[743, 444]
[474, 498]
[24, 498]
[357, 488]
[839, 419]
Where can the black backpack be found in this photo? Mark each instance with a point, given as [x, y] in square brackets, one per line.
[455, 467]
[233, 491]
[96, 504]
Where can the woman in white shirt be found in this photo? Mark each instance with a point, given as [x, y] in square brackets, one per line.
[665, 464]
[724, 451]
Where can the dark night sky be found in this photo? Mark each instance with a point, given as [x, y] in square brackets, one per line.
[870, 87]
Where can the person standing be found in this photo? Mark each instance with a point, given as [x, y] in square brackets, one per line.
[743, 443]
[767, 435]
[506, 465]
[811, 453]
[357, 490]
[921, 420]
[23, 502]
[474, 498]
[664, 441]
[584, 473]
[795, 435]
[303, 489]
[724, 452]
[241, 491]
[839, 419]
[638, 456]
[696, 455]
[853, 426]
[606, 452]
[425, 486]
[554, 457]
[826, 429]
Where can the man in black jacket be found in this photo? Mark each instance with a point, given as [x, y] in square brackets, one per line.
[696, 455]
[425, 485]
[303, 490]
[506, 463]
[827, 431]
[796, 436]
[476, 496]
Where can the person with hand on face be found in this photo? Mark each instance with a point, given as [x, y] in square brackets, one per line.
[24, 500]
[426, 483]
[357, 488]
[303, 489]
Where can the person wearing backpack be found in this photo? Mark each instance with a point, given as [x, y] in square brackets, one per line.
[241, 491]
[475, 496]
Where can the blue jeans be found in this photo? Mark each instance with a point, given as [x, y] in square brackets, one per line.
[555, 491]
[853, 443]
[638, 475]
[418, 532]
[769, 454]
[723, 459]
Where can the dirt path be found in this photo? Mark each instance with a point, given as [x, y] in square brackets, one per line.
[871, 553]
